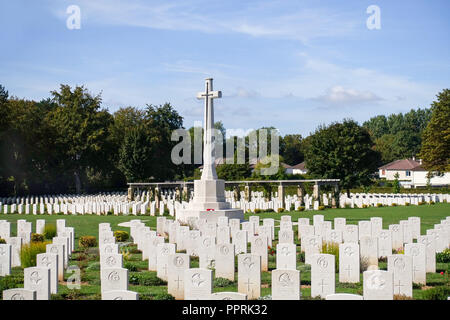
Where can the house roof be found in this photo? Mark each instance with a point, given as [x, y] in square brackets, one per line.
[285, 165]
[404, 164]
[300, 166]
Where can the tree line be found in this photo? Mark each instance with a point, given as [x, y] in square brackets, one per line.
[69, 143]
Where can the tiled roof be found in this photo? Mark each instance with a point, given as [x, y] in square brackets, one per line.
[300, 166]
[404, 164]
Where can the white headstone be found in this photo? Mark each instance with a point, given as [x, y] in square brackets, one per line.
[322, 275]
[285, 284]
[378, 285]
[50, 261]
[177, 264]
[197, 284]
[249, 275]
[114, 279]
[38, 279]
[349, 262]
[400, 265]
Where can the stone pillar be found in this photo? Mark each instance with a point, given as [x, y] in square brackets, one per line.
[281, 195]
[248, 193]
[316, 194]
[300, 194]
[130, 194]
[157, 197]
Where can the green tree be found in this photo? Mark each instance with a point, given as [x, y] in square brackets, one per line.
[233, 172]
[396, 184]
[385, 146]
[342, 151]
[398, 136]
[135, 155]
[82, 131]
[435, 150]
[160, 122]
[292, 149]
[377, 126]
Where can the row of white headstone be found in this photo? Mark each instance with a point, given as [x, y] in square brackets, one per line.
[42, 280]
[217, 245]
[119, 204]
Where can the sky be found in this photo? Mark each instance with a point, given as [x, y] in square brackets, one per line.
[290, 64]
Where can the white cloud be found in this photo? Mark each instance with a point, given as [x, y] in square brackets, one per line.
[339, 94]
[298, 24]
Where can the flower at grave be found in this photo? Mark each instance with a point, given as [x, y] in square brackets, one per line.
[442, 273]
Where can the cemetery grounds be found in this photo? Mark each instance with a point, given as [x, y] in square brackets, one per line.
[150, 287]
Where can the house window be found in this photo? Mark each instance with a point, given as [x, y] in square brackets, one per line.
[408, 173]
[383, 172]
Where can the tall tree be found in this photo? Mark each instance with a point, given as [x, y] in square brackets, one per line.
[160, 122]
[342, 151]
[435, 150]
[135, 155]
[292, 149]
[82, 130]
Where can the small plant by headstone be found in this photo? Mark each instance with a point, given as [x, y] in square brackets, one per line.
[49, 231]
[36, 237]
[121, 236]
[87, 242]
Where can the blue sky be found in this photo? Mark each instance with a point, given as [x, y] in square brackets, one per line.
[290, 64]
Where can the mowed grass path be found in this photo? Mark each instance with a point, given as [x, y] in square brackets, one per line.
[153, 289]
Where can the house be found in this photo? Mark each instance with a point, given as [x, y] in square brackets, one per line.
[298, 169]
[411, 174]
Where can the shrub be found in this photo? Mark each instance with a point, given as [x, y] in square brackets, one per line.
[10, 282]
[257, 210]
[444, 256]
[280, 210]
[421, 203]
[222, 282]
[437, 293]
[87, 242]
[321, 207]
[121, 236]
[406, 203]
[332, 248]
[36, 237]
[379, 205]
[301, 208]
[292, 208]
[393, 204]
[29, 251]
[364, 206]
[2, 241]
[163, 296]
[269, 210]
[49, 231]
[398, 251]
[110, 213]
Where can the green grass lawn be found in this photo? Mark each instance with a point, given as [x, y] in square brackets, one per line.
[150, 287]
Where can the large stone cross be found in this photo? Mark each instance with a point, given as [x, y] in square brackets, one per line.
[209, 170]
